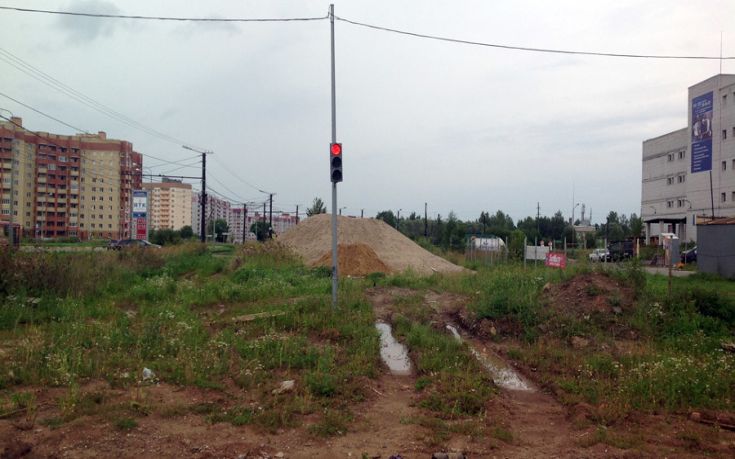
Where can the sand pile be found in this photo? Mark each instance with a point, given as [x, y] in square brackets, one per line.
[373, 243]
[354, 260]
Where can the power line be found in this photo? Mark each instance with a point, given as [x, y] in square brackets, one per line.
[159, 18]
[175, 163]
[256, 188]
[80, 97]
[529, 49]
[42, 113]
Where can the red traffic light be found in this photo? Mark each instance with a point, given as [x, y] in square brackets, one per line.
[336, 149]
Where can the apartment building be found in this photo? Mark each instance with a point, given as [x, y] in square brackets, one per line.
[67, 186]
[170, 204]
[215, 209]
[689, 173]
[282, 222]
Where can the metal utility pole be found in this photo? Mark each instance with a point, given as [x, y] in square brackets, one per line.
[538, 216]
[362, 213]
[426, 220]
[335, 274]
[297, 214]
[203, 203]
[244, 221]
[270, 217]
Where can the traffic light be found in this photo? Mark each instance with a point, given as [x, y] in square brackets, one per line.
[335, 162]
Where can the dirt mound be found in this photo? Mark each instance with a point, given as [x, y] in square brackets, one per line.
[312, 239]
[589, 293]
[354, 260]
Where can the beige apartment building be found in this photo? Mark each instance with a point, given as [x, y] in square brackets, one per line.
[689, 174]
[66, 186]
[169, 204]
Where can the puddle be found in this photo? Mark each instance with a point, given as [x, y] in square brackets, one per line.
[393, 353]
[503, 374]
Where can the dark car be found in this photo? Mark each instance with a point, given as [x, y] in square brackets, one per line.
[689, 256]
[621, 250]
[131, 243]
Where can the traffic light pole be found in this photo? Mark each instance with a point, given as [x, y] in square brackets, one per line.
[334, 184]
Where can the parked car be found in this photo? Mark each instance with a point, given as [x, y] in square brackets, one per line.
[599, 255]
[620, 250]
[132, 243]
[689, 256]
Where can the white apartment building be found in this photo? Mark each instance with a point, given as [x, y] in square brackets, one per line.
[690, 173]
[170, 204]
[216, 209]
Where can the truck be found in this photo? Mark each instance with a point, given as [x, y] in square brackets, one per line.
[621, 250]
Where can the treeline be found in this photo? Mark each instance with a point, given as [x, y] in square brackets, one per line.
[452, 233]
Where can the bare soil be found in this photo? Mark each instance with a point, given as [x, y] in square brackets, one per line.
[312, 240]
[354, 260]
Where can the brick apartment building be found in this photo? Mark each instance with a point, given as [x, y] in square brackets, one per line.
[57, 186]
[169, 204]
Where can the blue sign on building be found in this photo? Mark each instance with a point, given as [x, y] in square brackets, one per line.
[702, 133]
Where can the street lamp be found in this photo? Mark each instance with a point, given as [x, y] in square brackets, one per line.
[398, 219]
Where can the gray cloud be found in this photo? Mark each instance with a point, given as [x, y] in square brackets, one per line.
[85, 29]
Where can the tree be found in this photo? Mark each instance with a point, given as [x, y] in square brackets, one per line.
[317, 207]
[220, 228]
[260, 229]
[515, 244]
[186, 232]
[387, 216]
[636, 225]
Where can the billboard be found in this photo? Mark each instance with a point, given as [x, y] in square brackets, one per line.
[140, 214]
[556, 260]
[702, 132]
[140, 203]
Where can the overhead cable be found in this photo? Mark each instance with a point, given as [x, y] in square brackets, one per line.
[80, 97]
[159, 18]
[530, 49]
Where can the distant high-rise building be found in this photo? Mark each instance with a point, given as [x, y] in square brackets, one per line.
[690, 173]
[169, 204]
[216, 209]
[67, 185]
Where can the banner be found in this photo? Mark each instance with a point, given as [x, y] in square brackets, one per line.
[140, 214]
[556, 260]
[702, 133]
[141, 228]
[140, 203]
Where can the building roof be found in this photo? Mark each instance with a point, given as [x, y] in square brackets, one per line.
[718, 221]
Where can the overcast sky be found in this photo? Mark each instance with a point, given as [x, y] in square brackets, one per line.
[464, 128]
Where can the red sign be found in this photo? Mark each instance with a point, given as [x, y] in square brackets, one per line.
[141, 228]
[556, 260]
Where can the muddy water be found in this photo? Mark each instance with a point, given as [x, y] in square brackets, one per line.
[393, 353]
[503, 374]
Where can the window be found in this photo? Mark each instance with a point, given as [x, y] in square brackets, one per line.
[724, 99]
[669, 180]
[724, 134]
[671, 156]
[669, 204]
[732, 198]
[682, 154]
[723, 197]
[681, 178]
[724, 165]
[678, 203]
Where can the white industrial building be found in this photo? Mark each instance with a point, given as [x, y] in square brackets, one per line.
[689, 174]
